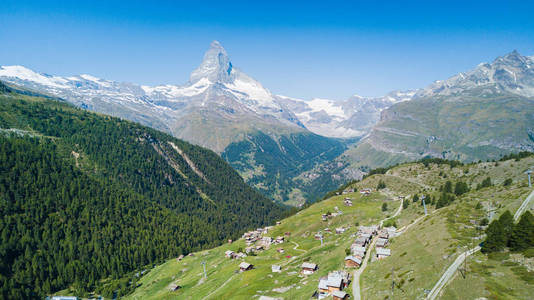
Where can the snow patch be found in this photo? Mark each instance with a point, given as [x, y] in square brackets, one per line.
[328, 106]
[253, 89]
[23, 73]
[176, 91]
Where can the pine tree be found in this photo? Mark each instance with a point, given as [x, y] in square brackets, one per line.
[507, 223]
[495, 238]
[381, 185]
[523, 234]
[461, 188]
[448, 187]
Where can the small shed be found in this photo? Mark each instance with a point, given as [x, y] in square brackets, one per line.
[340, 230]
[334, 283]
[174, 287]
[360, 241]
[245, 266]
[340, 295]
[381, 243]
[352, 262]
[308, 268]
[383, 253]
[276, 269]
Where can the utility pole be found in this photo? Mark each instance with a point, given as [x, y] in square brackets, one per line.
[392, 281]
[528, 172]
[204, 265]
[424, 205]
[321, 239]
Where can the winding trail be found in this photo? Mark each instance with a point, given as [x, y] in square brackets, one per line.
[359, 271]
[296, 246]
[410, 181]
[454, 266]
[221, 286]
[404, 228]
[394, 215]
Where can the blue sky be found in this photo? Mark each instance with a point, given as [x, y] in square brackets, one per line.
[307, 49]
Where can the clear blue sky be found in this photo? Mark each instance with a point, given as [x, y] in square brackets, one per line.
[307, 49]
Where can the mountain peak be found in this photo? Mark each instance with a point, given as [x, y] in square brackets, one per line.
[216, 45]
[215, 66]
[513, 58]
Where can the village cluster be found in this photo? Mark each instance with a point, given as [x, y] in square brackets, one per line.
[334, 282]
[256, 242]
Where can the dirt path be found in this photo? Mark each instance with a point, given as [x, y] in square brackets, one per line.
[296, 246]
[222, 285]
[394, 215]
[411, 181]
[404, 228]
[359, 271]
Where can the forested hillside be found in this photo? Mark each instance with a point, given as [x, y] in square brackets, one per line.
[273, 164]
[86, 197]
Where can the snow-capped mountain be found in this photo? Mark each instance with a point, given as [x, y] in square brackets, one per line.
[353, 117]
[217, 106]
[220, 108]
[512, 73]
[220, 96]
[483, 114]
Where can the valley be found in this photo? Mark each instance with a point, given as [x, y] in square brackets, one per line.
[422, 248]
[266, 150]
[294, 151]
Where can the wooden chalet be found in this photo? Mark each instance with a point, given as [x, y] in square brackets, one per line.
[352, 262]
[340, 295]
[309, 268]
[245, 266]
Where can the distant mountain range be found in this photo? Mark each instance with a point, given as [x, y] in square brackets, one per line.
[311, 142]
[220, 108]
[480, 114]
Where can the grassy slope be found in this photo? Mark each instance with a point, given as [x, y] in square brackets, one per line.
[302, 226]
[419, 256]
[466, 127]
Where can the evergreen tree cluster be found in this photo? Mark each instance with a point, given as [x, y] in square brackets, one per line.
[516, 156]
[502, 233]
[485, 183]
[85, 197]
[381, 185]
